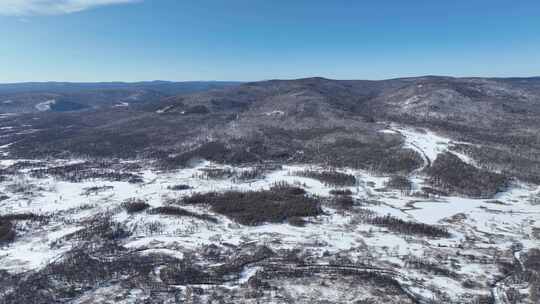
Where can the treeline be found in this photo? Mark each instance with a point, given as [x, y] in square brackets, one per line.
[134, 205]
[277, 204]
[398, 225]
[279, 145]
[177, 211]
[215, 173]
[371, 156]
[237, 175]
[450, 174]
[94, 190]
[26, 165]
[84, 171]
[517, 161]
[179, 187]
[331, 178]
[401, 183]
[98, 228]
[251, 174]
[342, 201]
[212, 151]
[340, 192]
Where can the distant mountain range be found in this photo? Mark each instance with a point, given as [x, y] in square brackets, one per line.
[67, 96]
[165, 87]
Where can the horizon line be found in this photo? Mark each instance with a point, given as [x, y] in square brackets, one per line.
[262, 80]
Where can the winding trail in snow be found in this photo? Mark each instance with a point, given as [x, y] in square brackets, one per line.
[427, 161]
[427, 143]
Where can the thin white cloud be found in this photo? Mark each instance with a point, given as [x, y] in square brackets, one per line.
[52, 7]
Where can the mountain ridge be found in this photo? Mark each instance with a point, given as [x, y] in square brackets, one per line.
[63, 87]
[296, 119]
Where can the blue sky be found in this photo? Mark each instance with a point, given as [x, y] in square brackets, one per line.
[106, 40]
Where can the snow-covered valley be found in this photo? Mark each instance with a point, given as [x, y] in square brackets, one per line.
[476, 257]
